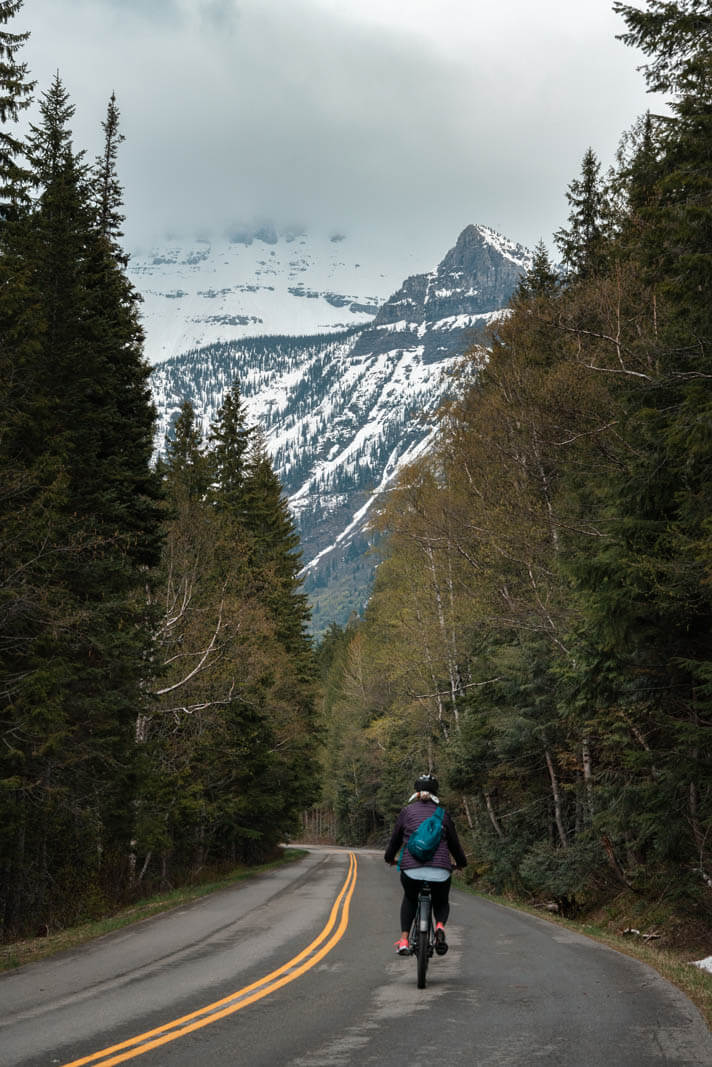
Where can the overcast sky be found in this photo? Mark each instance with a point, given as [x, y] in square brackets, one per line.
[412, 118]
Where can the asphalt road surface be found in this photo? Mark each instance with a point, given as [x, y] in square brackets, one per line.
[296, 968]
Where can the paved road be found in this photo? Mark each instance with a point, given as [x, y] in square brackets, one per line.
[297, 968]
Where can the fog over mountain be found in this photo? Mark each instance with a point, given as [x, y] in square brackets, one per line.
[371, 115]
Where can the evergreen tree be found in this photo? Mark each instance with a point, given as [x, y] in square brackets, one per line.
[106, 192]
[541, 280]
[649, 591]
[274, 546]
[582, 244]
[50, 142]
[79, 444]
[275, 563]
[230, 440]
[186, 465]
[15, 96]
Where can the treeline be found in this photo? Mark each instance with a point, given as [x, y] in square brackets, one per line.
[156, 679]
[541, 627]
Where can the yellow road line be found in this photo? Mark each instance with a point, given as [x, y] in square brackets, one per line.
[186, 1024]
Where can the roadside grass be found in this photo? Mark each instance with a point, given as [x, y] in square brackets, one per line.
[673, 963]
[16, 953]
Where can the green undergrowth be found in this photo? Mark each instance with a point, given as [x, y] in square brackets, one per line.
[16, 953]
[668, 941]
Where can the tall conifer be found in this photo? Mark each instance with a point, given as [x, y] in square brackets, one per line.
[581, 245]
[15, 96]
[230, 439]
[82, 440]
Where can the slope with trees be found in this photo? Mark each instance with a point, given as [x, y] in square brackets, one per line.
[541, 628]
[157, 685]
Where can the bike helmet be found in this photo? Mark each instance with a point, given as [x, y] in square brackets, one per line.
[427, 783]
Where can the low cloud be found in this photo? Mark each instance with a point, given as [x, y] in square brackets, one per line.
[342, 114]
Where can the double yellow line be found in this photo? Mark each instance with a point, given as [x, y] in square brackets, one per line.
[294, 968]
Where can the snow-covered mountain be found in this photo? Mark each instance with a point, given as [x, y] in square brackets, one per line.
[343, 411]
[256, 280]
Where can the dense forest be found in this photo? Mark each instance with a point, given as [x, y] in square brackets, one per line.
[540, 631]
[157, 682]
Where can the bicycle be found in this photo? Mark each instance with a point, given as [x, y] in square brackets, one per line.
[421, 941]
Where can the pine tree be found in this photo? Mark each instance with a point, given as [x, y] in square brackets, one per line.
[662, 505]
[15, 96]
[582, 244]
[106, 192]
[274, 542]
[80, 444]
[230, 439]
[541, 280]
[275, 563]
[50, 142]
[186, 465]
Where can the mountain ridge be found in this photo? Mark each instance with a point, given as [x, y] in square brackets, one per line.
[257, 280]
[343, 411]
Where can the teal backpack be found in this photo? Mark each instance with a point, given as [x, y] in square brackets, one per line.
[423, 842]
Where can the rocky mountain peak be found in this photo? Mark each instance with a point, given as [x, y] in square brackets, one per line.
[342, 413]
[474, 280]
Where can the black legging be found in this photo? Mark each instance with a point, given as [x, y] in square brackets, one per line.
[439, 893]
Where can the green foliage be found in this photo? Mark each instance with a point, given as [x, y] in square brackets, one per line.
[228, 749]
[582, 245]
[568, 876]
[15, 96]
[541, 626]
[157, 705]
[81, 525]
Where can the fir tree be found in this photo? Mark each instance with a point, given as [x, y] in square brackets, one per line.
[541, 280]
[275, 561]
[106, 190]
[581, 245]
[186, 465]
[80, 443]
[15, 96]
[50, 142]
[230, 440]
[274, 543]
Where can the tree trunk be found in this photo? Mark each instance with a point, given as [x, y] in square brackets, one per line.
[472, 823]
[493, 817]
[563, 837]
[587, 774]
[613, 860]
[144, 868]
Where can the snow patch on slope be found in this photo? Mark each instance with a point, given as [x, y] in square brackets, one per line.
[256, 282]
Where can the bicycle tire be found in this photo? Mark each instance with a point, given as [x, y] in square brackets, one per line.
[421, 957]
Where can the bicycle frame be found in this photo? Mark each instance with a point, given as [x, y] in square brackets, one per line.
[422, 933]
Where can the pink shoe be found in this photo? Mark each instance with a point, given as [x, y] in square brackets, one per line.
[402, 947]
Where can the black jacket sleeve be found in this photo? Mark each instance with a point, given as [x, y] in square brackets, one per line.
[396, 840]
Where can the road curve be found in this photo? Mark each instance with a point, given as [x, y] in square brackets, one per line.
[297, 967]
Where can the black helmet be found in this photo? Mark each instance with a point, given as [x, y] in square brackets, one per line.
[427, 783]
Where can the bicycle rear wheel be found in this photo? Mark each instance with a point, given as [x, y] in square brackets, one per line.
[421, 956]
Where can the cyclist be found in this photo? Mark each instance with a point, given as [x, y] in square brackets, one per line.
[438, 870]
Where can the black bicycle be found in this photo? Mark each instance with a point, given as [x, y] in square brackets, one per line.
[422, 933]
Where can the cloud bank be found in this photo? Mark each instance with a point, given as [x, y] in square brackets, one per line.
[409, 120]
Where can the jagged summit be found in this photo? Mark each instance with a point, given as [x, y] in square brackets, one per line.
[342, 413]
[444, 308]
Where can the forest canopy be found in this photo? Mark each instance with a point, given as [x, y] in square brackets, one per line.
[157, 696]
[540, 630]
